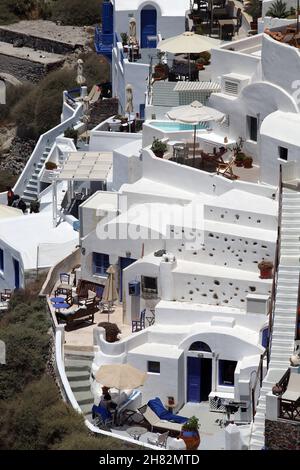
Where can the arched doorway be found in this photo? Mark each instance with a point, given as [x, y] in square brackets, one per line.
[199, 372]
[148, 27]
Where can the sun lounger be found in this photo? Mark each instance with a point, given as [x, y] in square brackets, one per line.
[156, 423]
[293, 389]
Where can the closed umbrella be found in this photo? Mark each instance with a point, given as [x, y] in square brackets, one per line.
[80, 79]
[110, 293]
[120, 376]
[195, 113]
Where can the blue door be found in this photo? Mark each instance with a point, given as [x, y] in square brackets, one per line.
[107, 18]
[148, 27]
[123, 263]
[17, 273]
[199, 371]
[193, 379]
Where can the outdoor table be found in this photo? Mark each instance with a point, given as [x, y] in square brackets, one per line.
[136, 432]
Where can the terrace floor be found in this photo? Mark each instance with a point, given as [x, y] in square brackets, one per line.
[211, 434]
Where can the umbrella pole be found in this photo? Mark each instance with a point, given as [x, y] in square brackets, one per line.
[189, 67]
[194, 152]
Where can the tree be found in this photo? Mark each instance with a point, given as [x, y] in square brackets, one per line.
[278, 9]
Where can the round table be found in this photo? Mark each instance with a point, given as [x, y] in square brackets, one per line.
[136, 432]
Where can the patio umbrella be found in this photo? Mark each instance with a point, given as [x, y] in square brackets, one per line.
[110, 292]
[188, 43]
[120, 376]
[195, 113]
[132, 31]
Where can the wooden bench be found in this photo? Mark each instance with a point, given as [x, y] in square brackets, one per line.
[84, 312]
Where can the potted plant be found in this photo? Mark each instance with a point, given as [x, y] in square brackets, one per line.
[254, 9]
[206, 56]
[190, 433]
[266, 269]
[200, 63]
[159, 148]
[124, 38]
[239, 159]
[111, 331]
[50, 166]
[71, 133]
[247, 162]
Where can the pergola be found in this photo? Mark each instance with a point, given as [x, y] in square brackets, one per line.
[81, 166]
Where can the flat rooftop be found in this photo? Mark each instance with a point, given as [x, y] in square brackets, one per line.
[26, 53]
[75, 35]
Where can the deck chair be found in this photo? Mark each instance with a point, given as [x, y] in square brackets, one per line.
[226, 170]
[156, 423]
[160, 441]
[91, 93]
[292, 392]
[102, 416]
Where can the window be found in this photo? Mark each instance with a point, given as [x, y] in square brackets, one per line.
[226, 372]
[252, 128]
[283, 153]
[100, 263]
[199, 346]
[149, 284]
[153, 367]
[1, 260]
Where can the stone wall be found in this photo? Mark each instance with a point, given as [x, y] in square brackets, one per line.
[282, 435]
[39, 43]
[26, 70]
[102, 110]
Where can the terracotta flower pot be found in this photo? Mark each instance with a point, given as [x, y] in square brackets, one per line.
[159, 154]
[266, 273]
[191, 439]
[239, 163]
[247, 163]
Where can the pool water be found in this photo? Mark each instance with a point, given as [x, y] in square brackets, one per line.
[176, 126]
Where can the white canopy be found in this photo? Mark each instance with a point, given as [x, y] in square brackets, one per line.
[188, 43]
[194, 113]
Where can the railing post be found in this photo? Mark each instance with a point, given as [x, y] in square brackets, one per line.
[261, 370]
[253, 402]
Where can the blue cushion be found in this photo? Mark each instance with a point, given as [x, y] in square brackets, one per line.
[103, 412]
[159, 409]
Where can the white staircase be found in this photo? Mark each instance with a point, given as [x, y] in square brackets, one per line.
[31, 190]
[284, 323]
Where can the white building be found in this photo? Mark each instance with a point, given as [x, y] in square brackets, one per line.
[153, 20]
[260, 96]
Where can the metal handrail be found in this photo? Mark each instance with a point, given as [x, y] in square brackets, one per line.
[266, 354]
[276, 264]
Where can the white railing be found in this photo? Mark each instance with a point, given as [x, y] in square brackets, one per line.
[45, 140]
[68, 394]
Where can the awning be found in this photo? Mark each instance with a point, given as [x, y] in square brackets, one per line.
[197, 86]
[81, 166]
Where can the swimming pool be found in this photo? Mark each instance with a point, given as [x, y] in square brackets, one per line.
[176, 126]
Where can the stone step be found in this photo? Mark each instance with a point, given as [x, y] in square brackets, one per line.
[75, 375]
